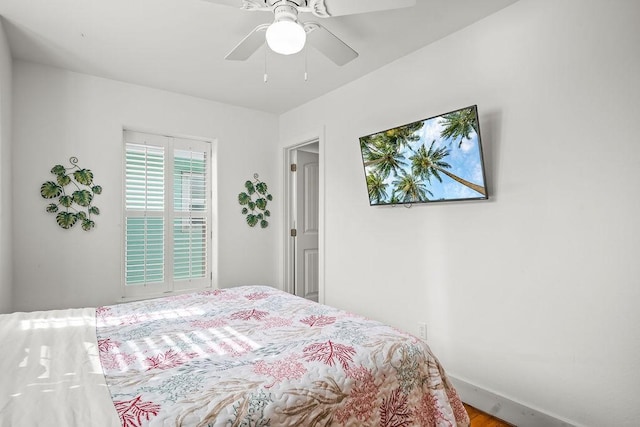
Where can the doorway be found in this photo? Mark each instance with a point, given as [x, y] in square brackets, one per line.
[302, 255]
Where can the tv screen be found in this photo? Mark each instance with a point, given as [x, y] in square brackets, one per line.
[433, 160]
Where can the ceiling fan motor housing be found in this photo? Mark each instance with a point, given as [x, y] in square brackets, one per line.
[317, 7]
[275, 3]
[286, 11]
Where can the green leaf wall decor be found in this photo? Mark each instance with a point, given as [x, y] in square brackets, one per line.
[74, 202]
[255, 210]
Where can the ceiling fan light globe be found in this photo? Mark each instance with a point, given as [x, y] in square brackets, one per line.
[286, 37]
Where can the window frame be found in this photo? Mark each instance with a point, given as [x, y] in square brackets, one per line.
[170, 285]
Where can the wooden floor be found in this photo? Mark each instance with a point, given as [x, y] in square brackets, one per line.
[482, 419]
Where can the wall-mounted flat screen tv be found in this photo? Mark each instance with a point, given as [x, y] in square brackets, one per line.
[433, 160]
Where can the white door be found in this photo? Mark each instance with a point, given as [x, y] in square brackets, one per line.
[306, 283]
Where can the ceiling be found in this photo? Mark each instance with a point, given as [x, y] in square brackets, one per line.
[180, 45]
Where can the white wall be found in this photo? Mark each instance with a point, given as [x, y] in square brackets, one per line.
[6, 257]
[59, 114]
[534, 293]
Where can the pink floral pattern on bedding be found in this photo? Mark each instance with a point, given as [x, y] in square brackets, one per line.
[256, 356]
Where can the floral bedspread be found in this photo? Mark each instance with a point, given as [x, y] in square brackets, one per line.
[256, 356]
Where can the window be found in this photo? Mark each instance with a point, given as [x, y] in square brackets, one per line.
[167, 214]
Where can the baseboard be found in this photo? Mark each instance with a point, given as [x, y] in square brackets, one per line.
[505, 409]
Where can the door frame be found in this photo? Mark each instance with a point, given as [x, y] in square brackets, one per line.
[289, 153]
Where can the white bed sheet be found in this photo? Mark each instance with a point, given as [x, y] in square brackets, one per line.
[50, 372]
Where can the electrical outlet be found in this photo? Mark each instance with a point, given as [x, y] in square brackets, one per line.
[422, 330]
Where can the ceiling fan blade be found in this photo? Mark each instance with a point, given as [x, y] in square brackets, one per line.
[326, 8]
[232, 3]
[249, 44]
[243, 4]
[327, 43]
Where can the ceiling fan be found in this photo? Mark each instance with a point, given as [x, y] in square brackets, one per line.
[287, 35]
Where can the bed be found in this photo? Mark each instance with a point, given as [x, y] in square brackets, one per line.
[246, 356]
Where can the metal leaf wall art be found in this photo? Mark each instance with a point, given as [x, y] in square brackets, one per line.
[255, 210]
[71, 194]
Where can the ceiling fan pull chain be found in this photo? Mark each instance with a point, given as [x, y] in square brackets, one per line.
[305, 64]
[265, 63]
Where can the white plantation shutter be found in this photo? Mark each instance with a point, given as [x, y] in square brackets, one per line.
[145, 177]
[190, 214]
[167, 239]
[191, 207]
[144, 223]
[144, 253]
